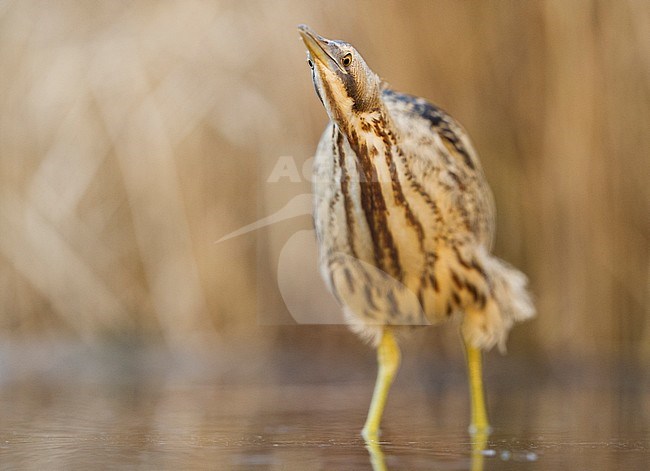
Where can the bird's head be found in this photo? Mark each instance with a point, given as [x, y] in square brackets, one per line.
[343, 81]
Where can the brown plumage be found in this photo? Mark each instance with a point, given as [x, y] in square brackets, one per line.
[403, 214]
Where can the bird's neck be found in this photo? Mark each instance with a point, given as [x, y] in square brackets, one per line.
[375, 145]
[370, 134]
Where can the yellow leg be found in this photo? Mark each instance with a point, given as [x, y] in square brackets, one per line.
[388, 357]
[479, 422]
[479, 428]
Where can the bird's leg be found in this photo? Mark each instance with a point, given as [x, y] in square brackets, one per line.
[479, 422]
[479, 427]
[388, 357]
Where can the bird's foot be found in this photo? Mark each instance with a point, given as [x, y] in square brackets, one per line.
[370, 434]
[479, 429]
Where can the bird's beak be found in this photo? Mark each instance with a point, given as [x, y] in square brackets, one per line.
[317, 47]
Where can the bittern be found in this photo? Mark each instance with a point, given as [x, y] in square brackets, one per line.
[405, 221]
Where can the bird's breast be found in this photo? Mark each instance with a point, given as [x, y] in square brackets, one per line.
[366, 206]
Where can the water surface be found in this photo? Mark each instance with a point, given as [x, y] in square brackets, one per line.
[114, 412]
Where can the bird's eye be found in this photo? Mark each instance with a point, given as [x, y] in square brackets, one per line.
[347, 60]
[311, 64]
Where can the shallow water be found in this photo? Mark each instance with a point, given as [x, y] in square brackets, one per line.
[110, 414]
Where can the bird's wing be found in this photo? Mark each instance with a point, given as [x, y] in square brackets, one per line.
[450, 166]
[452, 134]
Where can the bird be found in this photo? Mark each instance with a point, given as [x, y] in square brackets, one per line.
[405, 222]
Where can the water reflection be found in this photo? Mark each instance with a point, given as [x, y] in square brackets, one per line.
[479, 450]
[164, 418]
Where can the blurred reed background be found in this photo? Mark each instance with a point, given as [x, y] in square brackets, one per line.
[133, 135]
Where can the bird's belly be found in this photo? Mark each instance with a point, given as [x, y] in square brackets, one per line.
[384, 244]
[432, 281]
[378, 286]
[370, 294]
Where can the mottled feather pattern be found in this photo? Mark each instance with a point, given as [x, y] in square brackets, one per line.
[405, 222]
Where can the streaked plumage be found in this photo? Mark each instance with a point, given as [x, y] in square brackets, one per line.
[403, 214]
